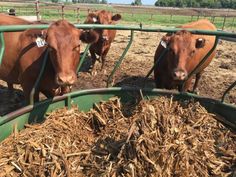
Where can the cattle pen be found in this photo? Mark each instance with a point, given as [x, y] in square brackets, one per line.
[36, 112]
[219, 35]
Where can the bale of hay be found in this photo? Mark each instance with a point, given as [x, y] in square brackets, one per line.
[158, 137]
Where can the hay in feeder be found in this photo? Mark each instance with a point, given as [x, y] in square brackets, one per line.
[158, 137]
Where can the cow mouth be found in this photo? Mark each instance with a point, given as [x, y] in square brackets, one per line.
[61, 90]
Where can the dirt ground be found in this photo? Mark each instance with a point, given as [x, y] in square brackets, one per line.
[138, 61]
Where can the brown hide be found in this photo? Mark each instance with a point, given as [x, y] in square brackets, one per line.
[63, 41]
[185, 52]
[103, 44]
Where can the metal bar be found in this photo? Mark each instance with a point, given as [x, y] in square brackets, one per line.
[120, 59]
[39, 77]
[163, 53]
[201, 62]
[83, 57]
[2, 49]
[227, 91]
[14, 28]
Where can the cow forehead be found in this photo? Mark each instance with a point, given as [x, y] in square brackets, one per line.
[63, 34]
[102, 16]
[182, 41]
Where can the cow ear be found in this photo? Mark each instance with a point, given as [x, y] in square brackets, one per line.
[200, 43]
[116, 17]
[89, 36]
[165, 41]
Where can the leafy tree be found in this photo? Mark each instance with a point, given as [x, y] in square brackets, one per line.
[55, 1]
[137, 3]
[104, 1]
[197, 3]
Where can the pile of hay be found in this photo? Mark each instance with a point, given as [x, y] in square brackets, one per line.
[158, 137]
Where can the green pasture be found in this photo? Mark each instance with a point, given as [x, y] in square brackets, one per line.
[145, 19]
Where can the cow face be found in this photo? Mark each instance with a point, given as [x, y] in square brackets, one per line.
[183, 46]
[64, 41]
[102, 17]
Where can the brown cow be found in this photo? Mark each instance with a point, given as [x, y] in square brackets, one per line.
[103, 44]
[22, 65]
[185, 52]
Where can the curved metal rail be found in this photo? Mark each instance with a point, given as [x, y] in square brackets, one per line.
[120, 59]
[194, 71]
[227, 91]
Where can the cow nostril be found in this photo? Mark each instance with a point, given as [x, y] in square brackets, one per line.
[71, 80]
[64, 80]
[59, 80]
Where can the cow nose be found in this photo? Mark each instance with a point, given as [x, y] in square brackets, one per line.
[179, 75]
[63, 79]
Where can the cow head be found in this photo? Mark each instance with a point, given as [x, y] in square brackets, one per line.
[183, 46]
[63, 41]
[102, 17]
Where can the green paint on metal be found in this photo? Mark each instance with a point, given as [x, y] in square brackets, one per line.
[194, 71]
[32, 93]
[68, 102]
[85, 100]
[2, 49]
[83, 57]
[120, 59]
[228, 90]
[14, 28]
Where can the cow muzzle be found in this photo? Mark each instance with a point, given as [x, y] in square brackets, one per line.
[105, 38]
[66, 79]
[179, 75]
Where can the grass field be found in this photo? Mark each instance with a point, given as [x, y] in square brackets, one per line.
[135, 16]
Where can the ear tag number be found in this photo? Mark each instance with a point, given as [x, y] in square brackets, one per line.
[164, 44]
[40, 42]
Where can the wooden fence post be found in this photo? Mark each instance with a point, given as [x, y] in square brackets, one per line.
[213, 19]
[62, 11]
[37, 9]
[233, 22]
[151, 16]
[78, 14]
[224, 23]
[171, 17]
[88, 11]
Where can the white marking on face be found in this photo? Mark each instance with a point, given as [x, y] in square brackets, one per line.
[95, 19]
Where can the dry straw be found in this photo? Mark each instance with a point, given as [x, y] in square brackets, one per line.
[159, 137]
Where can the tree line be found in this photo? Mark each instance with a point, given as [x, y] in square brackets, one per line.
[197, 3]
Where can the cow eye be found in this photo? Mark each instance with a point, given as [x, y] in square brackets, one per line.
[192, 52]
[172, 51]
[77, 48]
